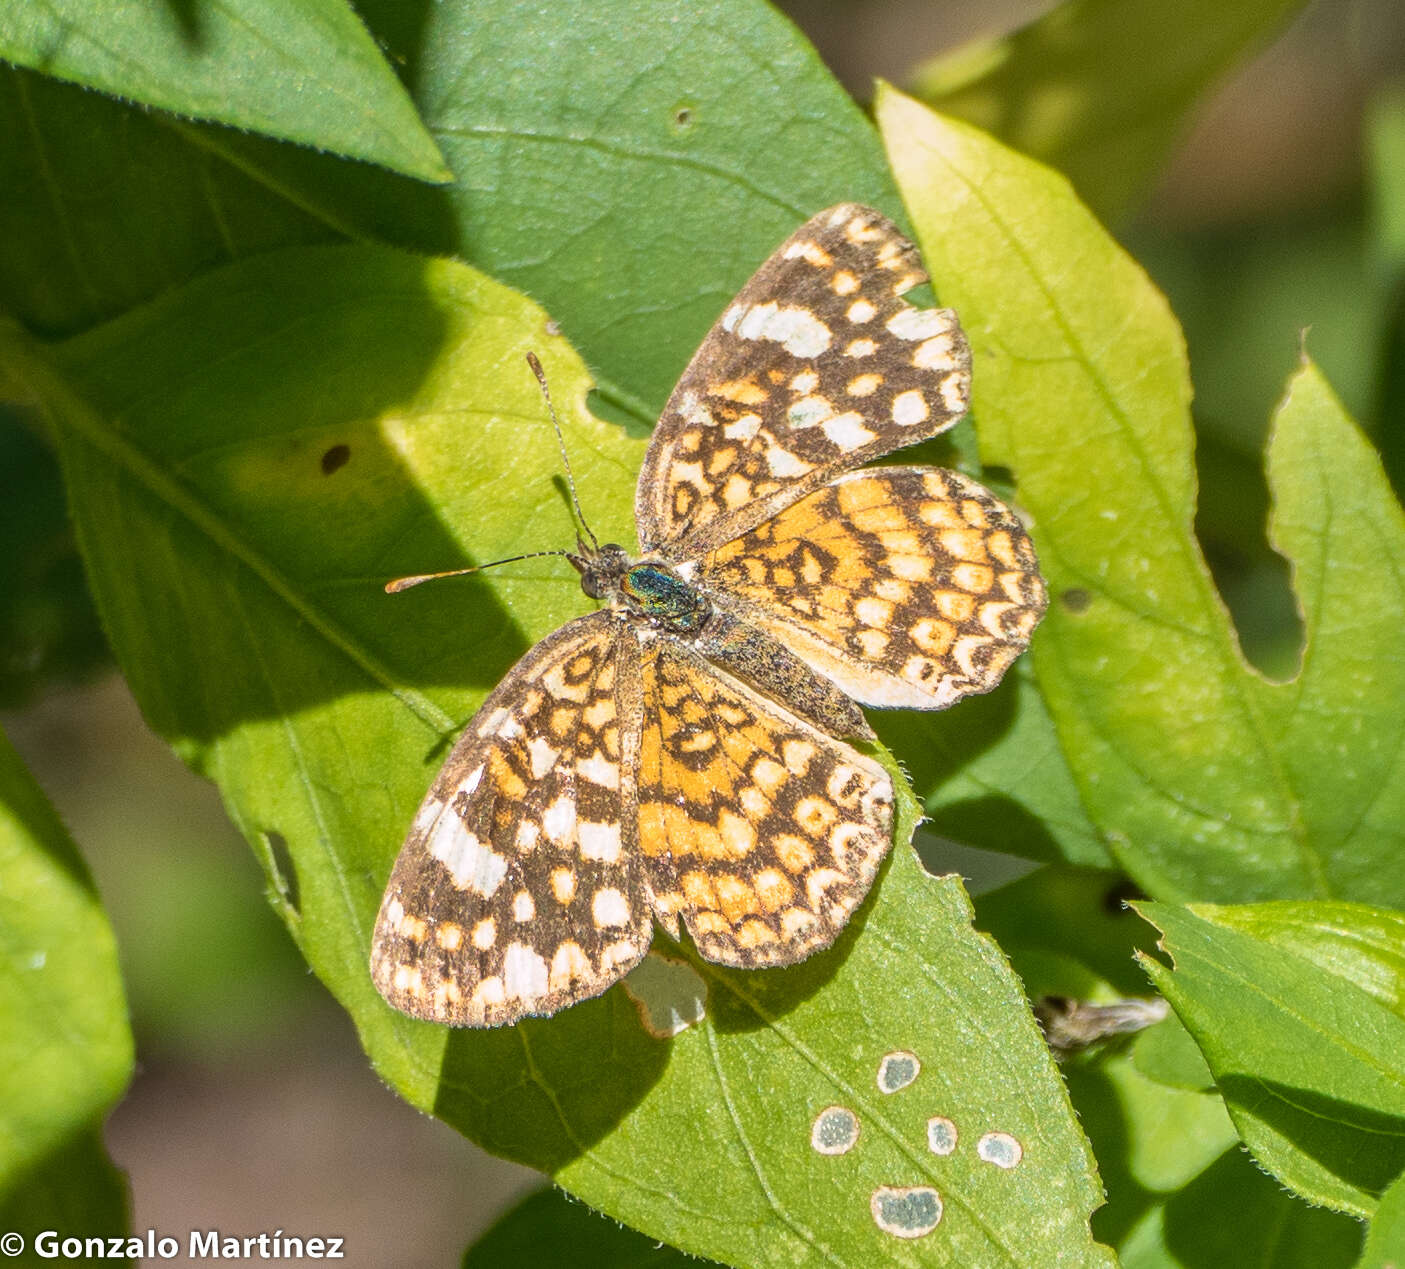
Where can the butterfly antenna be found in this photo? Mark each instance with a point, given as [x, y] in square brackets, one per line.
[404, 583]
[565, 460]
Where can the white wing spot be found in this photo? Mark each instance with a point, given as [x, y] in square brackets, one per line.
[559, 819]
[600, 770]
[523, 909]
[785, 464]
[809, 411]
[919, 323]
[861, 311]
[599, 842]
[609, 908]
[909, 407]
[473, 865]
[524, 973]
[485, 934]
[543, 755]
[847, 431]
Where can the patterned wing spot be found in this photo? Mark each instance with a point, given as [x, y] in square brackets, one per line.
[860, 311]
[609, 908]
[863, 385]
[843, 282]
[485, 934]
[449, 936]
[861, 348]
[847, 431]
[563, 886]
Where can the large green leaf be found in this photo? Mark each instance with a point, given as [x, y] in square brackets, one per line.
[308, 72]
[65, 1046]
[1311, 1066]
[1205, 780]
[1098, 88]
[1385, 1243]
[248, 459]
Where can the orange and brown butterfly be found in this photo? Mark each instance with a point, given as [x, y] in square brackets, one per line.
[681, 756]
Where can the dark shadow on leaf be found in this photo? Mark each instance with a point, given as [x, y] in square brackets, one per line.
[993, 823]
[1363, 1146]
[545, 1091]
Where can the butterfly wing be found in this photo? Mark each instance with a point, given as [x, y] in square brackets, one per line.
[816, 367]
[906, 586]
[518, 890]
[756, 830]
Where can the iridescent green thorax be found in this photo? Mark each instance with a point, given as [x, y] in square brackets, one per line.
[649, 589]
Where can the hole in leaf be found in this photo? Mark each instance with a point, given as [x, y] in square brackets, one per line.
[285, 875]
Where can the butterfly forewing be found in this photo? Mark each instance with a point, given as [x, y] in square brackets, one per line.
[816, 367]
[518, 890]
[906, 586]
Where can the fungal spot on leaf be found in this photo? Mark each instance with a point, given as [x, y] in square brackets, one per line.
[941, 1135]
[897, 1070]
[906, 1212]
[1075, 599]
[1001, 1149]
[835, 1130]
[668, 993]
[334, 458]
[683, 117]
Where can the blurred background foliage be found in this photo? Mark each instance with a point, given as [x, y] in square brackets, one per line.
[1272, 215]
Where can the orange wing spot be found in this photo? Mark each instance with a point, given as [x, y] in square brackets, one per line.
[881, 518]
[736, 491]
[774, 889]
[568, 963]
[856, 496]
[737, 834]
[1002, 548]
[768, 775]
[736, 899]
[894, 590]
[863, 385]
[699, 891]
[815, 815]
[940, 515]
[974, 513]
[742, 391]
[449, 936]
[754, 934]
[844, 283]
[955, 607]
[798, 754]
[795, 853]
[977, 578]
[506, 781]
[709, 923]
[721, 460]
[963, 544]
[933, 636]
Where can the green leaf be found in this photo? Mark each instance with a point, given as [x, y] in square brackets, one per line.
[547, 1228]
[308, 72]
[1232, 1214]
[1311, 1067]
[1385, 1240]
[121, 207]
[1204, 779]
[73, 1187]
[249, 459]
[65, 1047]
[48, 626]
[1363, 945]
[1098, 88]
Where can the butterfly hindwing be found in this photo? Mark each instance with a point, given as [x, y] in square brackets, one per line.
[906, 586]
[518, 889]
[757, 830]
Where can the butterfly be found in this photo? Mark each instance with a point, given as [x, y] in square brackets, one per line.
[682, 756]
